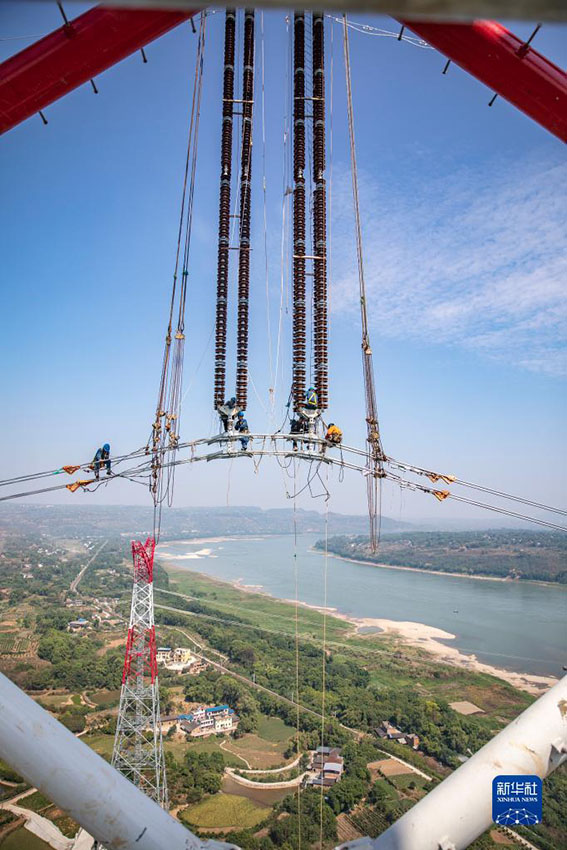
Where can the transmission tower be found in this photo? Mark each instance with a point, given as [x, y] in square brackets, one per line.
[138, 745]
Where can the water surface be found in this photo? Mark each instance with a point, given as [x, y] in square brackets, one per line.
[520, 625]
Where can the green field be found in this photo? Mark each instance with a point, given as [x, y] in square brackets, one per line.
[13, 644]
[259, 752]
[403, 780]
[105, 697]
[207, 745]
[224, 810]
[54, 700]
[389, 792]
[7, 791]
[35, 802]
[101, 744]
[274, 729]
[23, 839]
[258, 609]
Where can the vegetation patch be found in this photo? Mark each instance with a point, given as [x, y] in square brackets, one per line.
[273, 729]
[35, 802]
[101, 744]
[11, 643]
[258, 752]
[206, 745]
[106, 698]
[23, 839]
[224, 810]
[517, 554]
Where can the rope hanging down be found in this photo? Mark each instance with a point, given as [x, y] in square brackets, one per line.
[375, 451]
[165, 430]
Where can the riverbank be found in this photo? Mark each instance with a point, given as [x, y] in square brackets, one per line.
[364, 563]
[429, 639]
[421, 636]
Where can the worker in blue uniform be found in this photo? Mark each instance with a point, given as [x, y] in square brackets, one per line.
[227, 411]
[242, 427]
[101, 458]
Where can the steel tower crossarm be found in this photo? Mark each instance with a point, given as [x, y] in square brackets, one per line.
[505, 63]
[460, 809]
[75, 53]
[79, 781]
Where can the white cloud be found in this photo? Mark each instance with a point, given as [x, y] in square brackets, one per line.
[475, 258]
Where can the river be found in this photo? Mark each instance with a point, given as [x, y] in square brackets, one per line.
[520, 626]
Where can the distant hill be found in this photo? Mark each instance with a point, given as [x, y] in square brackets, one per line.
[64, 521]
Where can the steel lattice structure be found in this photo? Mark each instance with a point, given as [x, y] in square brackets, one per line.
[138, 745]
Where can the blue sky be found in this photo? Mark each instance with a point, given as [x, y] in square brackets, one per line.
[464, 233]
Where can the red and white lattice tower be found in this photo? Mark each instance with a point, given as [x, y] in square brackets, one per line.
[138, 745]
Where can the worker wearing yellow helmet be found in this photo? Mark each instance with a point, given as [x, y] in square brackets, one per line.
[334, 434]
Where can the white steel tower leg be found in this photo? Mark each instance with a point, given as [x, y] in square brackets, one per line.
[460, 809]
[83, 784]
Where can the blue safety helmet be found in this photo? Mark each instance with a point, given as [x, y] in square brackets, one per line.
[240, 414]
[106, 447]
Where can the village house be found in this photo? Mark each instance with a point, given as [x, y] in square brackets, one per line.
[330, 765]
[179, 660]
[391, 733]
[168, 721]
[209, 720]
[77, 625]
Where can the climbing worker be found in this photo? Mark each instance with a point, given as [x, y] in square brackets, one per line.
[311, 400]
[334, 435]
[101, 458]
[242, 427]
[227, 411]
[296, 426]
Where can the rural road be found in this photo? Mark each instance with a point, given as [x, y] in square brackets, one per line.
[75, 583]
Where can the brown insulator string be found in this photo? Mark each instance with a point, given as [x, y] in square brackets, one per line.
[245, 208]
[299, 246]
[320, 345]
[224, 207]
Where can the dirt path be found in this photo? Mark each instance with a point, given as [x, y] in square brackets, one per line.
[274, 769]
[249, 783]
[238, 756]
[40, 826]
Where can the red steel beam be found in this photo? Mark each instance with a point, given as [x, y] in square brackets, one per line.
[502, 61]
[73, 54]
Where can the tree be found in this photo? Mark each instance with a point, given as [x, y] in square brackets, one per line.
[346, 794]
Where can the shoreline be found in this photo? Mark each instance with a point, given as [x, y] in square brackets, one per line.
[362, 563]
[428, 638]
[417, 635]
